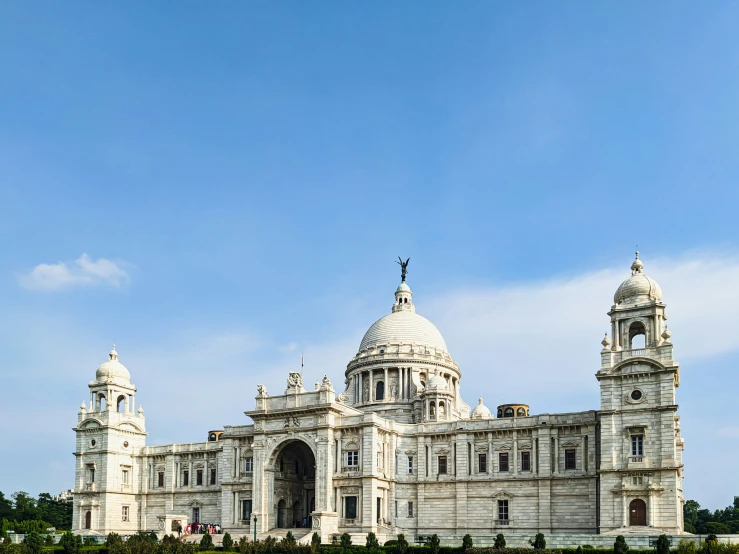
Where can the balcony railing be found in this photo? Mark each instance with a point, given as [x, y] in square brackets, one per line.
[503, 522]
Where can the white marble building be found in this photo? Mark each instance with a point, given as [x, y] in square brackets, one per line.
[400, 451]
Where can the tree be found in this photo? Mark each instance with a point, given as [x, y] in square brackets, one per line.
[114, 544]
[578, 550]
[717, 528]
[228, 542]
[6, 507]
[663, 545]
[539, 542]
[34, 542]
[206, 543]
[346, 541]
[289, 538]
[372, 541]
[499, 541]
[24, 506]
[402, 546]
[70, 543]
[620, 546]
[686, 547]
[315, 543]
[466, 542]
[434, 544]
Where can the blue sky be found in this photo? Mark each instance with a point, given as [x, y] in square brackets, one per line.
[240, 177]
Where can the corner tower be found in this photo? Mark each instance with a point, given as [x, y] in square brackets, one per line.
[640, 469]
[110, 435]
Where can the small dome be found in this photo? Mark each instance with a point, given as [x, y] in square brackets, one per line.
[403, 287]
[437, 382]
[112, 369]
[481, 411]
[638, 287]
[403, 327]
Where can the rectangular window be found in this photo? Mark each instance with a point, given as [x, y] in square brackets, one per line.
[442, 464]
[525, 461]
[502, 510]
[396, 508]
[350, 507]
[245, 510]
[570, 459]
[185, 478]
[410, 509]
[124, 477]
[482, 463]
[637, 445]
[160, 479]
[124, 513]
[503, 461]
[352, 458]
[212, 476]
[92, 475]
[196, 515]
[199, 477]
[249, 464]
[410, 465]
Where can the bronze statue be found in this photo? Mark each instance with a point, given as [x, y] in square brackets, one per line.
[403, 267]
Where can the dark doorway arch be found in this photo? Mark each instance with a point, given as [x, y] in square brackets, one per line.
[294, 471]
[380, 390]
[282, 514]
[638, 513]
[88, 520]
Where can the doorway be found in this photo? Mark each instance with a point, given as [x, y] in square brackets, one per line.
[88, 520]
[638, 513]
[281, 514]
[294, 471]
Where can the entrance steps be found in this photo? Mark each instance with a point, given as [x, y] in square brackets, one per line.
[302, 535]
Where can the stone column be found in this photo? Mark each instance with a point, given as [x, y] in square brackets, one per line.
[386, 387]
[625, 510]
[339, 453]
[515, 452]
[371, 385]
[584, 453]
[191, 477]
[556, 453]
[490, 454]
[361, 387]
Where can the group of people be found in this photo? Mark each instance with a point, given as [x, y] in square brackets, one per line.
[200, 529]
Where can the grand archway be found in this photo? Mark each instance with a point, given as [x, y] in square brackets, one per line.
[294, 470]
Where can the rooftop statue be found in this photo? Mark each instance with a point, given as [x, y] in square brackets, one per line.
[403, 267]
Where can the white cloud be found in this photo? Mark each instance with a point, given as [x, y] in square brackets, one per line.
[84, 271]
[730, 432]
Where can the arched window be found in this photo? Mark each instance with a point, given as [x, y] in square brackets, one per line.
[432, 408]
[380, 391]
[103, 402]
[121, 404]
[88, 520]
[500, 413]
[521, 412]
[637, 335]
[508, 412]
[441, 409]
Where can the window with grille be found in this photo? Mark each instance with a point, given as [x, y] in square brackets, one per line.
[185, 478]
[525, 461]
[570, 459]
[199, 477]
[352, 458]
[637, 445]
[249, 464]
[212, 476]
[350, 507]
[124, 513]
[482, 463]
[410, 465]
[502, 510]
[124, 477]
[442, 464]
[503, 461]
[160, 479]
[410, 509]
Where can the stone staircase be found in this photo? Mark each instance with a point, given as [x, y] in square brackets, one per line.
[301, 534]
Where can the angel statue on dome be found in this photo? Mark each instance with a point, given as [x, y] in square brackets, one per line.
[403, 267]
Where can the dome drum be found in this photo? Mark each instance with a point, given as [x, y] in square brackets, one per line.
[513, 410]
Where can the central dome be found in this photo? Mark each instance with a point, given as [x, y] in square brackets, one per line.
[405, 327]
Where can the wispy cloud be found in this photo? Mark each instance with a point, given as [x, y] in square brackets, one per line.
[83, 272]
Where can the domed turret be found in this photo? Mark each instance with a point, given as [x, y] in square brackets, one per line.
[112, 369]
[481, 411]
[638, 287]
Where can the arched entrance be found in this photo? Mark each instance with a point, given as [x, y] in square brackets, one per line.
[294, 470]
[88, 520]
[281, 514]
[638, 513]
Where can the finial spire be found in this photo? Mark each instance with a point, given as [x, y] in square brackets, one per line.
[403, 268]
[637, 265]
